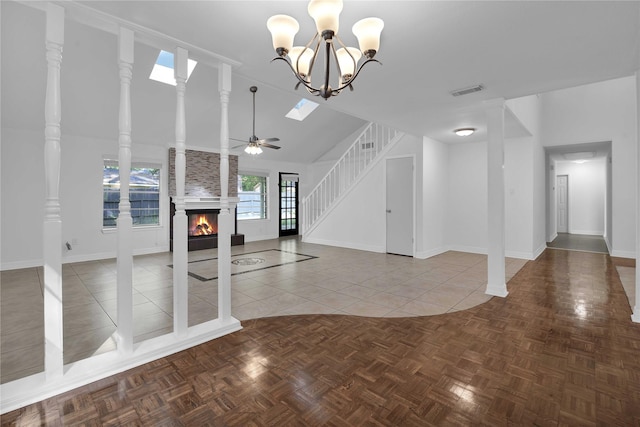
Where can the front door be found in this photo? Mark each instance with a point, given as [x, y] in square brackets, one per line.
[400, 206]
[288, 204]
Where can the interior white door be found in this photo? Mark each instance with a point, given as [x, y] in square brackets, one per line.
[562, 183]
[400, 206]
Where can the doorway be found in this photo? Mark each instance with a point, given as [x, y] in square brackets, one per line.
[400, 200]
[288, 212]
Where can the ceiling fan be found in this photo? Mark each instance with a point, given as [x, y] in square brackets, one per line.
[254, 145]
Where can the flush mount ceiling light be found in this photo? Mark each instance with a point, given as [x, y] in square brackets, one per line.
[301, 59]
[464, 131]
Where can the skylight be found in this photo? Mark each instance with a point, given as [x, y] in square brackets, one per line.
[163, 68]
[302, 109]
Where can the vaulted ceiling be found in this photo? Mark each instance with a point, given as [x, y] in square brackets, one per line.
[428, 49]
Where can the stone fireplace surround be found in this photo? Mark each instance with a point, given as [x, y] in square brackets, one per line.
[203, 191]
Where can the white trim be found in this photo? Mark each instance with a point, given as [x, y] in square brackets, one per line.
[349, 245]
[599, 233]
[552, 238]
[96, 256]
[539, 251]
[430, 253]
[519, 255]
[622, 254]
[469, 249]
[34, 388]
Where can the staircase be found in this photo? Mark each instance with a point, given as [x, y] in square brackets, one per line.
[368, 149]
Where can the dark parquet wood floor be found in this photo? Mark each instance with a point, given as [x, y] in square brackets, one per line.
[559, 350]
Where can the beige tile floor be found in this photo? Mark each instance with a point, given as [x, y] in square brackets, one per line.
[341, 281]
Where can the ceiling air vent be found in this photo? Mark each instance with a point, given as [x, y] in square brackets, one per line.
[467, 90]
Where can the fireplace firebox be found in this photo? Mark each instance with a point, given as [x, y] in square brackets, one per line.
[202, 229]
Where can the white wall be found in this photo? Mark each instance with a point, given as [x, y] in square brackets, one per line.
[586, 191]
[604, 111]
[527, 111]
[466, 219]
[263, 229]
[432, 198]
[359, 220]
[518, 171]
[80, 199]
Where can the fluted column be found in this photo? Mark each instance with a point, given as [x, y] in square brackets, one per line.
[52, 227]
[496, 284]
[225, 220]
[636, 309]
[125, 225]
[180, 257]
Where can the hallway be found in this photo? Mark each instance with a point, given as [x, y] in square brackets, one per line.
[560, 349]
[579, 242]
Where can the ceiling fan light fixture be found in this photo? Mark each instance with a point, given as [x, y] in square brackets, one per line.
[253, 149]
[464, 131]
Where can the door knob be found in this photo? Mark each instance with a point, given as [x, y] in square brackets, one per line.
[388, 210]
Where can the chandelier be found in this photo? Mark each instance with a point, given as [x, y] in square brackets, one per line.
[301, 59]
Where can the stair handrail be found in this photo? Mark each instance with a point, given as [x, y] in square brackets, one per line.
[348, 167]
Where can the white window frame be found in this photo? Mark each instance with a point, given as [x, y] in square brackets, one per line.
[264, 202]
[137, 164]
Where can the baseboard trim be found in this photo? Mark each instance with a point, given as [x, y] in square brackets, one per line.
[348, 245]
[430, 253]
[15, 265]
[622, 254]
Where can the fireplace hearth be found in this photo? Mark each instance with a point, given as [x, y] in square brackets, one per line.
[203, 229]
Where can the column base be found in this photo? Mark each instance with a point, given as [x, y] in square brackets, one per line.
[497, 290]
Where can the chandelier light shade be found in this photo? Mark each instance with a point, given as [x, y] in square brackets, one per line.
[368, 33]
[301, 59]
[326, 13]
[283, 29]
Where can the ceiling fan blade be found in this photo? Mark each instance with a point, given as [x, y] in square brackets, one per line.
[269, 146]
[239, 140]
[238, 146]
[261, 141]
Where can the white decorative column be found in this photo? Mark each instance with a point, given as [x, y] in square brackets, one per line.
[636, 309]
[52, 230]
[125, 224]
[496, 284]
[180, 257]
[225, 220]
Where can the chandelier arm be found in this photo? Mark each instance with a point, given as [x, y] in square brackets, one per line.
[348, 82]
[300, 79]
[335, 57]
[327, 66]
[315, 52]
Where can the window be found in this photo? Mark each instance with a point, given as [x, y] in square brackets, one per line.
[144, 194]
[252, 192]
[163, 68]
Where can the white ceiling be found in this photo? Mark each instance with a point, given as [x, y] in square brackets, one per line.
[428, 49]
